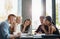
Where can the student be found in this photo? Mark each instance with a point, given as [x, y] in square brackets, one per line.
[26, 26]
[5, 30]
[15, 27]
[51, 27]
[18, 24]
[39, 30]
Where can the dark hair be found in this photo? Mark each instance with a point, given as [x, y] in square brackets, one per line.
[11, 15]
[53, 22]
[50, 20]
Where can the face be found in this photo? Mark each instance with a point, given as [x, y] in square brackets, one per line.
[41, 20]
[12, 19]
[46, 22]
[27, 22]
[18, 20]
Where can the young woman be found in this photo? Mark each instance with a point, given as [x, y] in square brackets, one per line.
[15, 27]
[18, 24]
[25, 27]
[51, 27]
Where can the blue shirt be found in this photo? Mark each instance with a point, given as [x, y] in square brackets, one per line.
[4, 30]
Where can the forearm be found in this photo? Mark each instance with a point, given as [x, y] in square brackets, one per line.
[12, 36]
[52, 31]
[49, 30]
[45, 31]
[23, 29]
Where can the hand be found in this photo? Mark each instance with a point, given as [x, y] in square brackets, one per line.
[39, 32]
[17, 35]
[44, 29]
[50, 30]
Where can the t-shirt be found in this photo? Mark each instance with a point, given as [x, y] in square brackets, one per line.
[46, 28]
[40, 29]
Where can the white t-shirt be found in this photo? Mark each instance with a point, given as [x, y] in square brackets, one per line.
[17, 28]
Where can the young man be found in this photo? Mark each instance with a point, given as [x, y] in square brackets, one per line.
[4, 28]
[39, 30]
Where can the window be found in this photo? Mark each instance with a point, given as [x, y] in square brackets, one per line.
[36, 13]
[58, 14]
[7, 7]
[49, 8]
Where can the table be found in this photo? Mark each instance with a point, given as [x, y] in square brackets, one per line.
[38, 36]
[51, 36]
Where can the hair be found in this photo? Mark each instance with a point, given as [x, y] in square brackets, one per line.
[53, 23]
[11, 15]
[28, 20]
[18, 17]
[50, 20]
[42, 17]
[27, 26]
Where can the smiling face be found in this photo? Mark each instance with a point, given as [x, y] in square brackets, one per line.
[41, 19]
[27, 22]
[18, 20]
[46, 22]
[11, 18]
